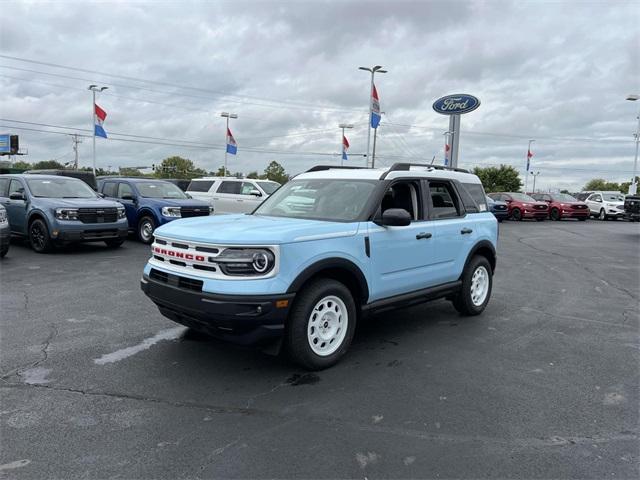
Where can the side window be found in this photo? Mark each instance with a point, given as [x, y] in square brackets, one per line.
[109, 189]
[405, 195]
[124, 189]
[596, 198]
[4, 185]
[15, 186]
[444, 202]
[473, 197]
[247, 188]
[230, 187]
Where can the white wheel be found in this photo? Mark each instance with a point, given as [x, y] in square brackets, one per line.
[327, 325]
[479, 285]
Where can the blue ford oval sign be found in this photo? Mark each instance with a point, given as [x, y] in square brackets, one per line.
[456, 104]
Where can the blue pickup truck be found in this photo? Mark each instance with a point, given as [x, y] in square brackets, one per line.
[150, 203]
[328, 247]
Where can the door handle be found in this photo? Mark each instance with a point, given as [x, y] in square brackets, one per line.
[422, 235]
[239, 200]
[465, 231]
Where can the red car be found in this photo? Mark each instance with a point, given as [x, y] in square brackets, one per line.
[522, 206]
[562, 205]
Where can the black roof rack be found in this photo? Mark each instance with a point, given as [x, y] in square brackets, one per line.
[407, 166]
[320, 168]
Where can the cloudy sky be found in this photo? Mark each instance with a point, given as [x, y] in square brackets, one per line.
[557, 72]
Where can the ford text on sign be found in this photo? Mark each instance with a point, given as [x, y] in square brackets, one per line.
[456, 104]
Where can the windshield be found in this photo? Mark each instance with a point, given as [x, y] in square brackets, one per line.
[62, 187]
[269, 187]
[613, 197]
[334, 200]
[521, 197]
[159, 190]
[564, 197]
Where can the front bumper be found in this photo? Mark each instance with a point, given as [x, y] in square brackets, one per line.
[242, 319]
[535, 214]
[501, 214]
[68, 231]
[575, 213]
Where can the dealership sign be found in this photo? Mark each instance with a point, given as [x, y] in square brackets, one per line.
[456, 104]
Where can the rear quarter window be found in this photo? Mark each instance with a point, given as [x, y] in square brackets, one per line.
[109, 189]
[477, 197]
[200, 185]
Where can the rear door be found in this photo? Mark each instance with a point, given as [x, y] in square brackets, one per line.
[454, 230]
[402, 258]
[227, 196]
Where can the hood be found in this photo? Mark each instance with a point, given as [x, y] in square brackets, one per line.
[77, 202]
[178, 202]
[252, 230]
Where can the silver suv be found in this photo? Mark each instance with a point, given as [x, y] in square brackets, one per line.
[230, 194]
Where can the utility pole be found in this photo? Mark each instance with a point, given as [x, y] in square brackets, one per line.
[226, 137]
[94, 89]
[373, 70]
[343, 126]
[76, 140]
[633, 188]
[526, 172]
[535, 175]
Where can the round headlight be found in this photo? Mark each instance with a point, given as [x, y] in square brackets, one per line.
[260, 262]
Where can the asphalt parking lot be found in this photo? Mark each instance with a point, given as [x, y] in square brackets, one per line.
[545, 384]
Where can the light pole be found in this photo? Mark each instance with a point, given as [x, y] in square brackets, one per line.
[535, 175]
[373, 70]
[94, 89]
[343, 126]
[526, 172]
[633, 188]
[226, 137]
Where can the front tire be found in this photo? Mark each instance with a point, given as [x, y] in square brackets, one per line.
[477, 281]
[321, 324]
[602, 215]
[555, 214]
[146, 227]
[516, 214]
[39, 236]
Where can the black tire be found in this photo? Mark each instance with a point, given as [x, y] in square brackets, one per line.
[463, 301]
[554, 214]
[4, 251]
[516, 214]
[602, 215]
[39, 237]
[114, 242]
[297, 337]
[144, 225]
[500, 220]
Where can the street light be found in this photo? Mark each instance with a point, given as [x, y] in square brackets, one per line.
[526, 172]
[94, 89]
[373, 71]
[227, 115]
[535, 175]
[343, 126]
[633, 188]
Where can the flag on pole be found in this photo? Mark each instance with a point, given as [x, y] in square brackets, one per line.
[232, 146]
[447, 148]
[345, 147]
[375, 108]
[99, 116]
[529, 155]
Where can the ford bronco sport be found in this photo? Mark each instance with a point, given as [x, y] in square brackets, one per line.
[328, 247]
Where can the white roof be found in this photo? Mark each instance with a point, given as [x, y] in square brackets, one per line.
[376, 173]
[233, 178]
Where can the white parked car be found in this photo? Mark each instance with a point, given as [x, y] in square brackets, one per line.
[230, 194]
[605, 205]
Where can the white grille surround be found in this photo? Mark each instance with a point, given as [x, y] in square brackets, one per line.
[199, 259]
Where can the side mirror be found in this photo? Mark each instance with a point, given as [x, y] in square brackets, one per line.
[101, 195]
[255, 193]
[396, 217]
[508, 201]
[17, 196]
[128, 196]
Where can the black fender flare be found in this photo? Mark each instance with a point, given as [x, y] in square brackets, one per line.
[334, 264]
[482, 245]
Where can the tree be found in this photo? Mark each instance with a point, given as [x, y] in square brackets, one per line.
[253, 174]
[222, 172]
[48, 165]
[565, 191]
[130, 172]
[178, 167]
[21, 165]
[504, 178]
[624, 186]
[276, 173]
[601, 184]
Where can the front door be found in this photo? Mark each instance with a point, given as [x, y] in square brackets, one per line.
[402, 258]
[127, 197]
[16, 209]
[595, 203]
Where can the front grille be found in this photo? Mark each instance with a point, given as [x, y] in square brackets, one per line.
[540, 207]
[578, 207]
[176, 280]
[98, 215]
[187, 212]
[500, 207]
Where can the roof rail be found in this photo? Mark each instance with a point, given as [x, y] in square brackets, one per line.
[320, 168]
[407, 166]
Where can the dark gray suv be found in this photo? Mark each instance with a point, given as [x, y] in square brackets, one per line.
[51, 210]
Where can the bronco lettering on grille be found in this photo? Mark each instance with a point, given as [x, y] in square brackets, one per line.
[174, 254]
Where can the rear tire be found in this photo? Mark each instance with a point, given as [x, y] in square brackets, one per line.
[516, 214]
[39, 236]
[321, 324]
[146, 227]
[477, 281]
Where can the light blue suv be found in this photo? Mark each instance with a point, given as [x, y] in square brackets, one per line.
[328, 247]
